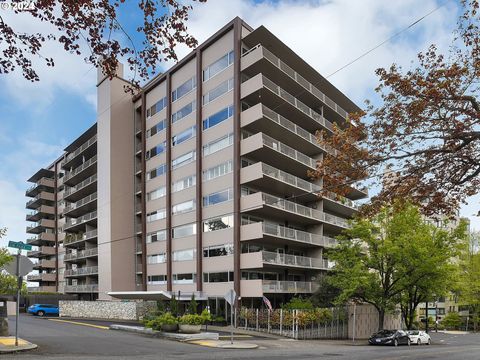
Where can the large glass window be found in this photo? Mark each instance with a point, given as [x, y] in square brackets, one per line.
[218, 250]
[184, 278]
[157, 193]
[219, 65]
[219, 170]
[184, 89]
[157, 258]
[184, 111]
[184, 136]
[218, 117]
[183, 207]
[184, 255]
[152, 174]
[218, 144]
[184, 183]
[218, 91]
[218, 197]
[183, 159]
[184, 230]
[157, 107]
[156, 215]
[160, 148]
[157, 128]
[157, 236]
[157, 279]
[218, 223]
[215, 277]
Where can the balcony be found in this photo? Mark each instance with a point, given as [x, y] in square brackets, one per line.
[274, 234]
[43, 211]
[41, 185]
[45, 264]
[79, 191]
[44, 238]
[260, 60]
[87, 288]
[50, 289]
[262, 259]
[77, 240]
[41, 226]
[274, 97]
[42, 251]
[339, 204]
[80, 255]
[83, 271]
[267, 178]
[79, 223]
[82, 206]
[42, 277]
[288, 287]
[263, 148]
[86, 150]
[80, 173]
[43, 198]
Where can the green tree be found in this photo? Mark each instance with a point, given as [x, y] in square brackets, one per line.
[8, 283]
[193, 305]
[452, 320]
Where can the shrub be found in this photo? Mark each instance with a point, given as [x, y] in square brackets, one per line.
[192, 306]
[452, 320]
[297, 303]
[195, 319]
[157, 322]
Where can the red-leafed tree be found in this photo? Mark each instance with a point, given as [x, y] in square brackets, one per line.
[95, 23]
[427, 128]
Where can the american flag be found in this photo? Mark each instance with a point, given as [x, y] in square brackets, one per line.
[267, 303]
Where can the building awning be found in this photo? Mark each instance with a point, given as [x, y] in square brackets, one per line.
[155, 295]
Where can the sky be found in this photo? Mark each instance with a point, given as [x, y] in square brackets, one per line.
[37, 120]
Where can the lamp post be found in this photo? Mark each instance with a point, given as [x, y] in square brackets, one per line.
[436, 315]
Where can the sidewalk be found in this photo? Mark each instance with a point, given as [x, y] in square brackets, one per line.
[7, 345]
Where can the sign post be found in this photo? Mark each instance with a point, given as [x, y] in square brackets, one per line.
[230, 297]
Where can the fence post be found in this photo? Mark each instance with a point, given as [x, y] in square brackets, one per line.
[281, 321]
[246, 318]
[268, 321]
[257, 319]
[293, 323]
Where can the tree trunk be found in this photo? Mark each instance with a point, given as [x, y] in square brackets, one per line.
[381, 318]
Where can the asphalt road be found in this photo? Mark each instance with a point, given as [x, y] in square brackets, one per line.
[62, 340]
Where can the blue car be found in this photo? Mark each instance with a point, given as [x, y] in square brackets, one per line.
[43, 310]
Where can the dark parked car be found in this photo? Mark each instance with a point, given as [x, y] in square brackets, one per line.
[390, 337]
[43, 310]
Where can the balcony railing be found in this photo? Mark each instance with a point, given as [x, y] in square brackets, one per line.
[70, 238]
[81, 202]
[288, 151]
[81, 288]
[297, 235]
[289, 178]
[341, 199]
[291, 287]
[86, 182]
[87, 217]
[79, 169]
[294, 260]
[88, 270]
[82, 148]
[81, 254]
[43, 181]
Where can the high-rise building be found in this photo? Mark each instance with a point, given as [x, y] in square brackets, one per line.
[199, 183]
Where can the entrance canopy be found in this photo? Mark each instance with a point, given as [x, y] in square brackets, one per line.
[156, 295]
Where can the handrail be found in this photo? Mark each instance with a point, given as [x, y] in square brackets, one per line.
[80, 168]
[79, 150]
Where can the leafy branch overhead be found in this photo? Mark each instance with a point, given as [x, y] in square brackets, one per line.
[426, 129]
[95, 23]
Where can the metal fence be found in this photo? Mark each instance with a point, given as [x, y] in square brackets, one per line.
[297, 324]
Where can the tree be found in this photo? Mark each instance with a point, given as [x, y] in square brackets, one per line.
[452, 320]
[193, 305]
[8, 283]
[382, 258]
[97, 25]
[426, 127]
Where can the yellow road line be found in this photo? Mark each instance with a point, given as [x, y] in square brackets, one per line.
[81, 323]
[10, 341]
[235, 336]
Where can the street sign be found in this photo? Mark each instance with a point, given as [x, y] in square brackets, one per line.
[19, 245]
[230, 296]
[25, 266]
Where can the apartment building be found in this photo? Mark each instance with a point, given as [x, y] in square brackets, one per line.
[202, 177]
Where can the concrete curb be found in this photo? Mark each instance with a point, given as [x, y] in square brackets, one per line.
[6, 349]
[224, 344]
[171, 336]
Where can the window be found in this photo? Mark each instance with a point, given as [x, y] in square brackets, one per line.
[218, 117]
[218, 91]
[156, 128]
[184, 230]
[218, 197]
[186, 110]
[157, 193]
[160, 148]
[156, 215]
[157, 279]
[157, 236]
[184, 89]
[152, 174]
[183, 159]
[215, 277]
[184, 136]
[219, 223]
[184, 278]
[157, 258]
[217, 66]
[219, 170]
[157, 107]
[184, 255]
[183, 207]
[218, 144]
[219, 250]
[184, 183]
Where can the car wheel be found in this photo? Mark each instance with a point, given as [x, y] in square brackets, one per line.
[428, 342]
[41, 313]
[395, 342]
[419, 342]
[408, 341]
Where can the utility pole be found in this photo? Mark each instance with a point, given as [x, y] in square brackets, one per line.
[426, 316]
[19, 285]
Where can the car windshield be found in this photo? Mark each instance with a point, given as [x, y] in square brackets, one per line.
[413, 332]
[385, 333]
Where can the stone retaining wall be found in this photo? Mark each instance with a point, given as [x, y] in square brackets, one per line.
[105, 309]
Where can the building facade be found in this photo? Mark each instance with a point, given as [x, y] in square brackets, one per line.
[202, 178]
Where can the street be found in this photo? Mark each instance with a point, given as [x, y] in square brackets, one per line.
[91, 340]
